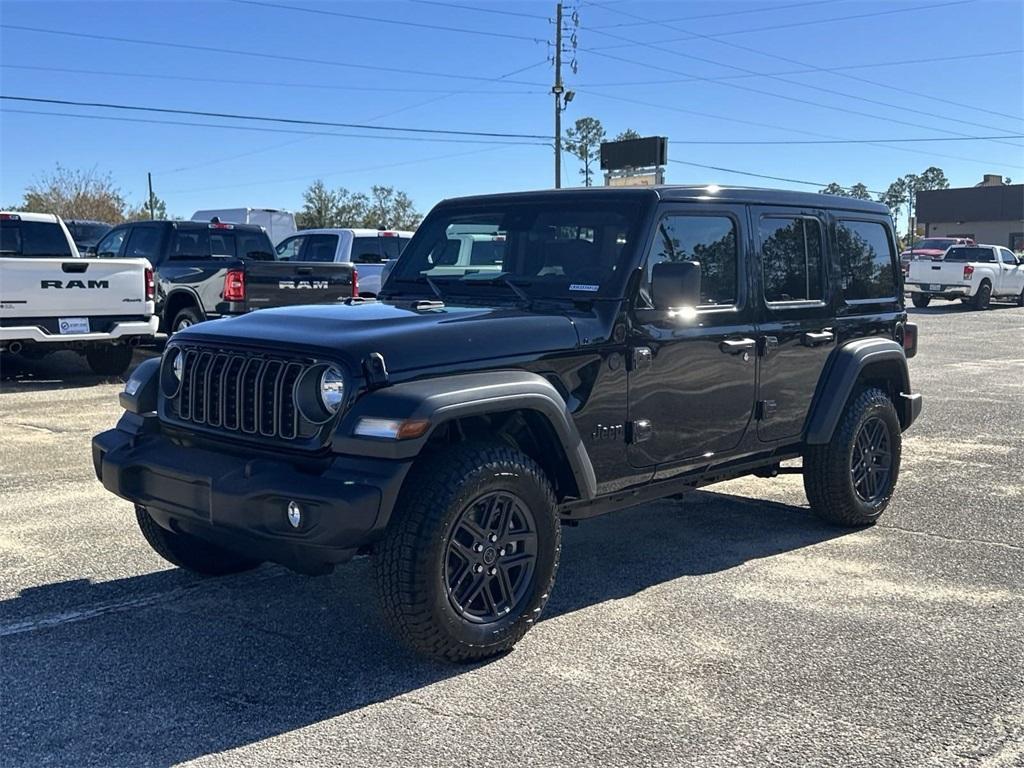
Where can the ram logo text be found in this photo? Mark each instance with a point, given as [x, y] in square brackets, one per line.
[321, 284]
[74, 284]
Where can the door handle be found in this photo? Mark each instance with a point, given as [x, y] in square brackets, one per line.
[735, 346]
[304, 271]
[814, 338]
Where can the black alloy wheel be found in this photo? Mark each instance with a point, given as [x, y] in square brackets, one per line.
[871, 461]
[490, 557]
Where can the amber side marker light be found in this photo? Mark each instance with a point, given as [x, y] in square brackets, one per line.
[392, 429]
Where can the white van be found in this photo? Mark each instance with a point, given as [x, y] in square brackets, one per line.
[278, 223]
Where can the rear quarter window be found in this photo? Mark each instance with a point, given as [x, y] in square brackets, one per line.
[866, 260]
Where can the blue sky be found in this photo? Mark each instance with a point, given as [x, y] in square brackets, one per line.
[692, 77]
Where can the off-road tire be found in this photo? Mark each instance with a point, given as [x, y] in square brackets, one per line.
[920, 300]
[412, 560]
[111, 360]
[188, 552]
[186, 317]
[983, 298]
[1020, 299]
[828, 480]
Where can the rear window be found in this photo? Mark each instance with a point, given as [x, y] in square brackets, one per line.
[969, 254]
[866, 260]
[33, 239]
[208, 243]
[392, 247]
[487, 252]
[366, 250]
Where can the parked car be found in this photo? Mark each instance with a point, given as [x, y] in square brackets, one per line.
[931, 248]
[55, 300]
[278, 223]
[211, 270]
[368, 249]
[976, 274]
[633, 344]
[86, 233]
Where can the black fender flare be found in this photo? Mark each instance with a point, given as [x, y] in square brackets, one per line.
[847, 365]
[445, 398]
[172, 295]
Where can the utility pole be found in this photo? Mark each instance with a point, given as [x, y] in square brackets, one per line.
[557, 90]
[152, 206]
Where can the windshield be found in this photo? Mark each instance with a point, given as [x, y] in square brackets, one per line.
[935, 244]
[565, 250]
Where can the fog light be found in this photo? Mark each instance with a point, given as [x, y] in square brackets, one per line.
[294, 514]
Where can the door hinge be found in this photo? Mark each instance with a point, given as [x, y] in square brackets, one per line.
[639, 430]
[765, 408]
[640, 358]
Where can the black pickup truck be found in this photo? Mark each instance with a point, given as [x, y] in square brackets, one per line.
[622, 345]
[209, 270]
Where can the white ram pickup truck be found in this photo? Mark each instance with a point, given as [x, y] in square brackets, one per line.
[975, 274]
[52, 299]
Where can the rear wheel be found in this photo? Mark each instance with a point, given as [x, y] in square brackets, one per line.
[983, 297]
[921, 300]
[850, 480]
[188, 552]
[185, 318]
[469, 558]
[1020, 299]
[109, 361]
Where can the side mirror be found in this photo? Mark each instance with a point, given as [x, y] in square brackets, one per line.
[676, 284]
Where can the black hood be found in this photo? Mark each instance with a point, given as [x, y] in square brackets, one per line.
[409, 339]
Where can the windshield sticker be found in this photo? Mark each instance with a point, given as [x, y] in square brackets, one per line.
[584, 287]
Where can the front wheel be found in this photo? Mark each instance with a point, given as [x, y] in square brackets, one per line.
[109, 361]
[469, 558]
[188, 552]
[921, 300]
[850, 480]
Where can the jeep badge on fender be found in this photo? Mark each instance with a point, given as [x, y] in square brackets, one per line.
[452, 425]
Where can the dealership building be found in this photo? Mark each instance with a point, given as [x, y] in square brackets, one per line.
[991, 212]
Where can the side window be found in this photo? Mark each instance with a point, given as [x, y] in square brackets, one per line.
[366, 250]
[1008, 257]
[143, 243]
[710, 240]
[320, 248]
[288, 249]
[865, 260]
[110, 246]
[791, 259]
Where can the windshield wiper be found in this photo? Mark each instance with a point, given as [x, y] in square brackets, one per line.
[434, 287]
[505, 279]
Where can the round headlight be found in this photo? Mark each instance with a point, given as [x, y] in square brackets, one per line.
[332, 389]
[178, 365]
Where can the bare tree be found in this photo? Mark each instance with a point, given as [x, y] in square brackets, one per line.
[76, 194]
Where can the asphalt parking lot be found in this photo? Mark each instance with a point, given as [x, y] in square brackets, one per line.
[730, 628]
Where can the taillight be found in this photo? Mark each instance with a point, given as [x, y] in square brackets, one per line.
[910, 339]
[150, 285]
[968, 271]
[234, 285]
[355, 282]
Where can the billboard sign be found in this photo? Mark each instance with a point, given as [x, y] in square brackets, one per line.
[647, 152]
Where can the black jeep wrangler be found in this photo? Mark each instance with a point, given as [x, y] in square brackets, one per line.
[533, 359]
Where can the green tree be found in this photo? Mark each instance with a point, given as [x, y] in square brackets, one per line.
[834, 189]
[142, 213]
[390, 209]
[319, 207]
[860, 191]
[352, 209]
[584, 141]
[76, 194]
[627, 134]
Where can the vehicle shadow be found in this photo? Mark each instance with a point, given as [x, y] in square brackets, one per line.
[163, 668]
[56, 371]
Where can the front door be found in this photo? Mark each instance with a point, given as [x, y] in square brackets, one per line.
[795, 324]
[692, 377]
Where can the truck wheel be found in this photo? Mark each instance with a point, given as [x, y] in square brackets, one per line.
[188, 552]
[469, 558]
[921, 300]
[984, 295]
[850, 480]
[109, 361]
[186, 317]
[1020, 299]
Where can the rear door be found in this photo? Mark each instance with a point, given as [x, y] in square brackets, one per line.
[308, 276]
[795, 330]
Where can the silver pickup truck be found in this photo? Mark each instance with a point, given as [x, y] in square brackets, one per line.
[368, 249]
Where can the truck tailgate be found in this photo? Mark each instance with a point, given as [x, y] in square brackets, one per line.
[283, 283]
[48, 287]
[938, 273]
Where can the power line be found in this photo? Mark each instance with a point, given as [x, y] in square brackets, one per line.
[768, 142]
[872, 65]
[744, 12]
[287, 120]
[378, 20]
[790, 25]
[272, 83]
[813, 68]
[763, 175]
[259, 55]
[478, 9]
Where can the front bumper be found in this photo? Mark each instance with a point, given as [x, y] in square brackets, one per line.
[39, 335]
[240, 501]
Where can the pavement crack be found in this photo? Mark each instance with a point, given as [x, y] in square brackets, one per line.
[952, 539]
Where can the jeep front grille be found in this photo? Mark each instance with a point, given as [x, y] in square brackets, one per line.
[240, 393]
